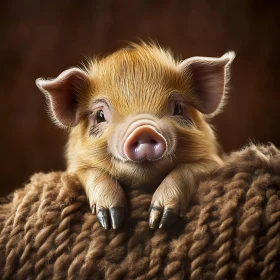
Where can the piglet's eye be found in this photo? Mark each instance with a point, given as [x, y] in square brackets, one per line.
[100, 116]
[178, 109]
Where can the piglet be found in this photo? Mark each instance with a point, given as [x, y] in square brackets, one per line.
[139, 117]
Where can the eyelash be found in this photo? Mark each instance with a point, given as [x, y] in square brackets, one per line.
[184, 120]
[94, 130]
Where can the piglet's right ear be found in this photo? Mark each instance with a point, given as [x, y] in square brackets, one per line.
[62, 94]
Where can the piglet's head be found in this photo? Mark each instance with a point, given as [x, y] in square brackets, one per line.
[138, 112]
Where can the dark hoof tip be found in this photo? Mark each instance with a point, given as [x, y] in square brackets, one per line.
[168, 218]
[117, 216]
[103, 218]
[155, 215]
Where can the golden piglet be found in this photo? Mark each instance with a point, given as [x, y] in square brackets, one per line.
[138, 117]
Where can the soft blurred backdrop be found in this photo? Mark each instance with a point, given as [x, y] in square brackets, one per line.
[43, 38]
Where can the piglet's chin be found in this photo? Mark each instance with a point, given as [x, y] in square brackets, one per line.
[144, 143]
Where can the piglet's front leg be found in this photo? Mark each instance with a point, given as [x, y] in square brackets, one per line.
[173, 195]
[105, 196]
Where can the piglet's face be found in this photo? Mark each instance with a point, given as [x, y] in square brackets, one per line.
[138, 113]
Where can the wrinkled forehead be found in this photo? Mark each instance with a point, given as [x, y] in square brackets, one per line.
[136, 81]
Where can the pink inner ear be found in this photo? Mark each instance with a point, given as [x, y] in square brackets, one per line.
[208, 82]
[207, 78]
[62, 93]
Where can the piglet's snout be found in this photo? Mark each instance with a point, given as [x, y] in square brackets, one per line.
[144, 143]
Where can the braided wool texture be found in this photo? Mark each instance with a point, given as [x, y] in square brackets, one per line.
[231, 231]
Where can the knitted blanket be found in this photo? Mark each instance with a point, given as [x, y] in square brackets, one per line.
[231, 231]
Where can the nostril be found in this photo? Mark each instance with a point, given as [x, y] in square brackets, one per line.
[152, 142]
[135, 144]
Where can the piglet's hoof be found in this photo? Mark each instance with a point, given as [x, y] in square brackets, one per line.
[112, 217]
[161, 217]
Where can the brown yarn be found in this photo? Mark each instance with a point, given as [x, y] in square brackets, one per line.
[231, 231]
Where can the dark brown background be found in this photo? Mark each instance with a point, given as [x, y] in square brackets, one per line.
[43, 38]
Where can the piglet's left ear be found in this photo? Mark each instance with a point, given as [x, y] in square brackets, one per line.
[208, 78]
